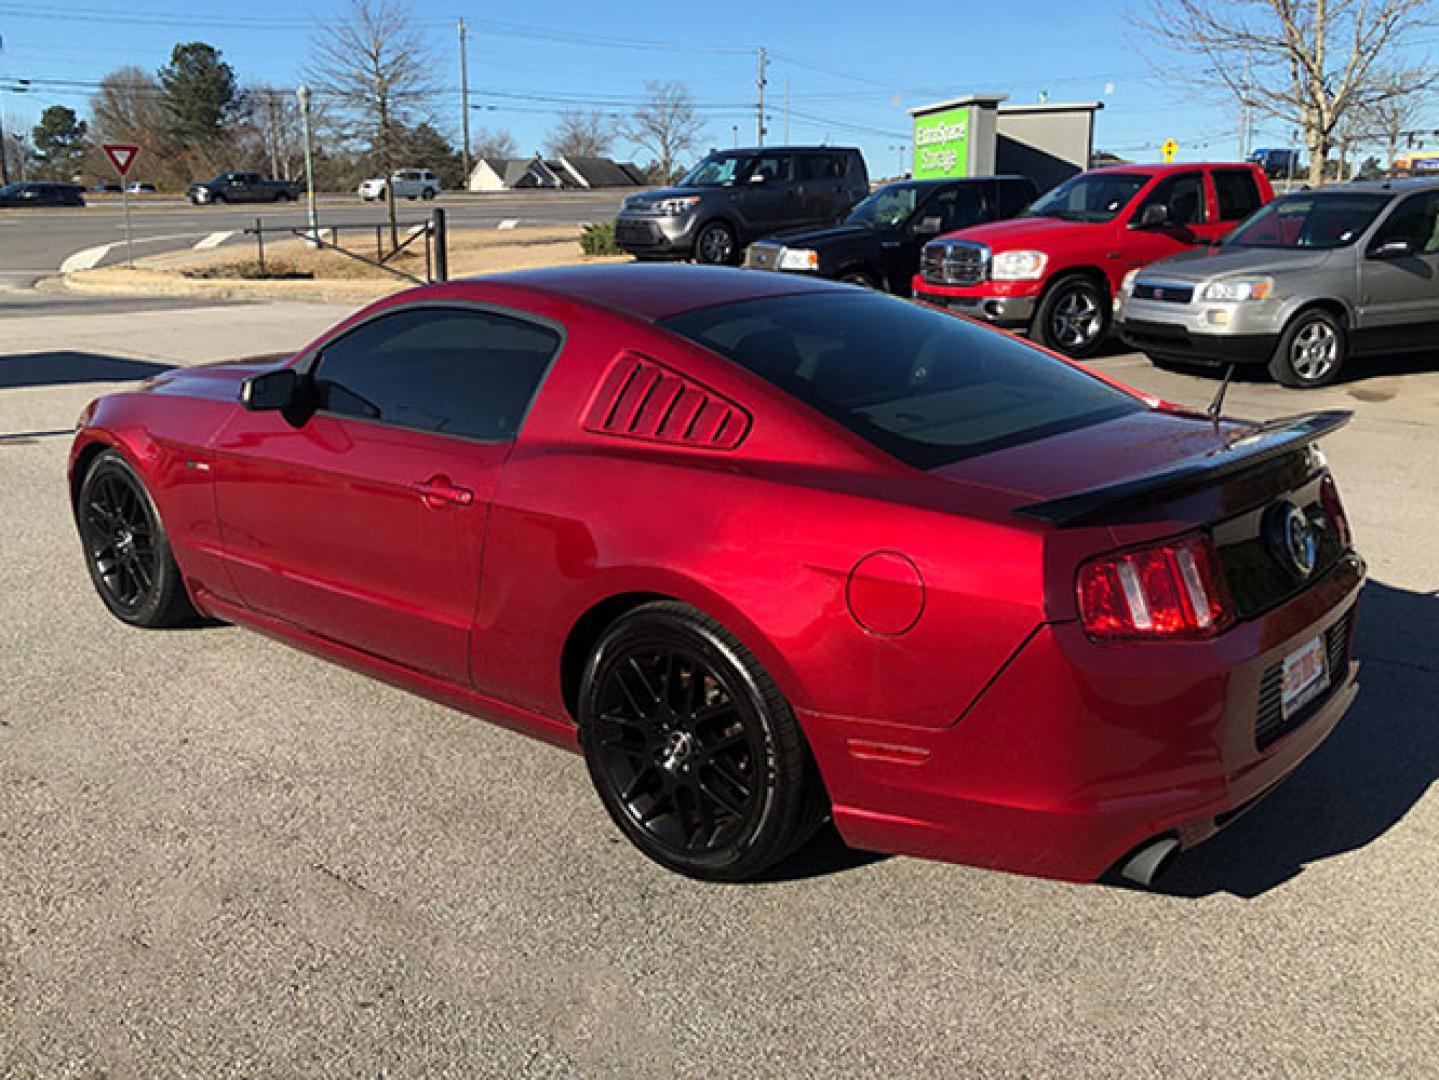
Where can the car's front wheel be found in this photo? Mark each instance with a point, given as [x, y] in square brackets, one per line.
[1073, 317]
[716, 245]
[126, 549]
[693, 749]
[1311, 350]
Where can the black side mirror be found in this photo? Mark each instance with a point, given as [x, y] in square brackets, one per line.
[929, 226]
[271, 391]
[1154, 216]
[1393, 249]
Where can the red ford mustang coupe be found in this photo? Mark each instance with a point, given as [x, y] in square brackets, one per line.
[766, 550]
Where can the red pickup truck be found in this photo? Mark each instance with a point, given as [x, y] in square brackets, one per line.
[1056, 268]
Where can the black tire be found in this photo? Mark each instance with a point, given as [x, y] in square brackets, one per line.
[428, 194]
[692, 748]
[1311, 351]
[860, 278]
[126, 549]
[1073, 316]
[217, 198]
[716, 245]
[285, 196]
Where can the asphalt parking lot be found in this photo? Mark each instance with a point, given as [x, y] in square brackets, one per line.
[220, 857]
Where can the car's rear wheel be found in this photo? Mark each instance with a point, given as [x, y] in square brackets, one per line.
[693, 749]
[126, 549]
[716, 245]
[1073, 317]
[428, 193]
[1311, 350]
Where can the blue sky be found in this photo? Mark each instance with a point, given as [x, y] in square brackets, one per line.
[852, 67]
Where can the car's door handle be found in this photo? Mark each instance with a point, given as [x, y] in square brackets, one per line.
[437, 491]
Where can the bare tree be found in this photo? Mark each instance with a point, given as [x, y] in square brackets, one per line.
[1393, 114]
[1303, 62]
[272, 119]
[128, 108]
[372, 65]
[665, 125]
[582, 134]
[498, 143]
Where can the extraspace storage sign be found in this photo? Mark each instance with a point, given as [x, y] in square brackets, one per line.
[941, 143]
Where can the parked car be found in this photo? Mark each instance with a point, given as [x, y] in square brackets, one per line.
[41, 193]
[1277, 164]
[879, 242]
[765, 549]
[1309, 281]
[107, 189]
[409, 184]
[734, 196]
[140, 187]
[242, 187]
[1055, 269]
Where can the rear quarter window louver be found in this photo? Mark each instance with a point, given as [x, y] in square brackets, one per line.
[641, 399]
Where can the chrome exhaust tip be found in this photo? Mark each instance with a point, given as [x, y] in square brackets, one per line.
[1145, 866]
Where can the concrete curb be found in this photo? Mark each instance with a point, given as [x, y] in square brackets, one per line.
[174, 287]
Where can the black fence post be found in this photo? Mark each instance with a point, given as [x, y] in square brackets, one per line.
[442, 245]
[260, 244]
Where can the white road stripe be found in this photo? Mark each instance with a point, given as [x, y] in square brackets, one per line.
[214, 240]
[85, 260]
[508, 223]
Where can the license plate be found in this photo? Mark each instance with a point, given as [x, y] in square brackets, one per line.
[1306, 674]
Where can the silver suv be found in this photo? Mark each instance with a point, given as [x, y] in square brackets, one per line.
[1302, 285]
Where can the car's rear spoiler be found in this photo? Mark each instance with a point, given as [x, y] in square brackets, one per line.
[1243, 451]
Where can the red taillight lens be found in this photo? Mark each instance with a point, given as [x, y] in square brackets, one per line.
[1334, 511]
[1168, 590]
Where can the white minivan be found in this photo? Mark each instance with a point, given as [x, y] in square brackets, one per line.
[409, 184]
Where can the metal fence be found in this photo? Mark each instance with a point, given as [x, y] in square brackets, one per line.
[388, 244]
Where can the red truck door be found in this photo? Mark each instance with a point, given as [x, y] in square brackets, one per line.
[1189, 222]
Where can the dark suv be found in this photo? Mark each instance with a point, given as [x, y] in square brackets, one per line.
[733, 196]
[41, 193]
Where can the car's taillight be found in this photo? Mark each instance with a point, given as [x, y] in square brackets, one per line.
[1334, 510]
[1173, 589]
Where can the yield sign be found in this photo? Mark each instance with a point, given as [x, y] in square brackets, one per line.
[121, 156]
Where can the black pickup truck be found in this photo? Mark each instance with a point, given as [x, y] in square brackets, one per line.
[240, 187]
[879, 242]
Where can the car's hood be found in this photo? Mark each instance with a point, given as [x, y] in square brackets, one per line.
[218, 382]
[1204, 264]
[823, 237]
[644, 199]
[1016, 234]
[1097, 456]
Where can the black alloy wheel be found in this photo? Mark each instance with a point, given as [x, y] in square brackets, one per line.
[1073, 317]
[716, 245]
[692, 748]
[126, 549]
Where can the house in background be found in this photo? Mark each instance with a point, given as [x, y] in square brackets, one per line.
[573, 173]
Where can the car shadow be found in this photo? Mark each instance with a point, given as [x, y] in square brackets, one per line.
[68, 368]
[825, 854]
[1360, 782]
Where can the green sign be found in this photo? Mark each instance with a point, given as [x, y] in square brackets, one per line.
[941, 143]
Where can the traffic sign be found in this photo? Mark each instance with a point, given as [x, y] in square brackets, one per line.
[1168, 149]
[122, 156]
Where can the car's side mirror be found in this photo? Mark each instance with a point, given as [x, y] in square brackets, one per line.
[929, 226]
[271, 391]
[1154, 216]
[1393, 249]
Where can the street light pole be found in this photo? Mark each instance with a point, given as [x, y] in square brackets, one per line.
[303, 93]
[465, 104]
[4, 155]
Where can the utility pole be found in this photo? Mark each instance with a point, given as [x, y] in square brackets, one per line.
[1244, 111]
[303, 93]
[786, 110]
[4, 155]
[759, 110]
[465, 105]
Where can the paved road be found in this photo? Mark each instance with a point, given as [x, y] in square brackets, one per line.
[35, 243]
[219, 857]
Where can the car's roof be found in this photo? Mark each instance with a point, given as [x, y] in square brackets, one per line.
[657, 291]
[942, 181]
[1174, 167]
[1397, 186]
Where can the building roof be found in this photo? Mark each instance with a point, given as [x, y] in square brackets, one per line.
[597, 171]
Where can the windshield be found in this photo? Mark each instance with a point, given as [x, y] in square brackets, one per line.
[923, 386]
[717, 170]
[890, 205]
[1310, 220]
[1090, 197]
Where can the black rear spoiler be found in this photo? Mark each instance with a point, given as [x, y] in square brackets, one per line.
[1243, 451]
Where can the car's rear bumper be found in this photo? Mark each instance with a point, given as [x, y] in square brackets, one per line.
[1079, 752]
[999, 303]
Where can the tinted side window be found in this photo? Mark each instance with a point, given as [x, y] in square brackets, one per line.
[1014, 196]
[1183, 194]
[1416, 219]
[821, 167]
[446, 370]
[956, 208]
[1237, 193]
[775, 168]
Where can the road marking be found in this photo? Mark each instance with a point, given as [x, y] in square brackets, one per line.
[85, 260]
[214, 240]
[508, 223]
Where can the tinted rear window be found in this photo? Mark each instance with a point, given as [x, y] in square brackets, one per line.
[926, 387]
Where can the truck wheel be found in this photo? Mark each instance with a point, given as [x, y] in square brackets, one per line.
[427, 194]
[217, 198]
[1073, 317]
[1311, 351]
[716, 245]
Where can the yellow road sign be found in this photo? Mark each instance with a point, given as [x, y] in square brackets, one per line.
[1168, 149]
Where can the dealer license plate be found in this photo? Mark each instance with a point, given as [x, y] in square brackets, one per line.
[1306, 674]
